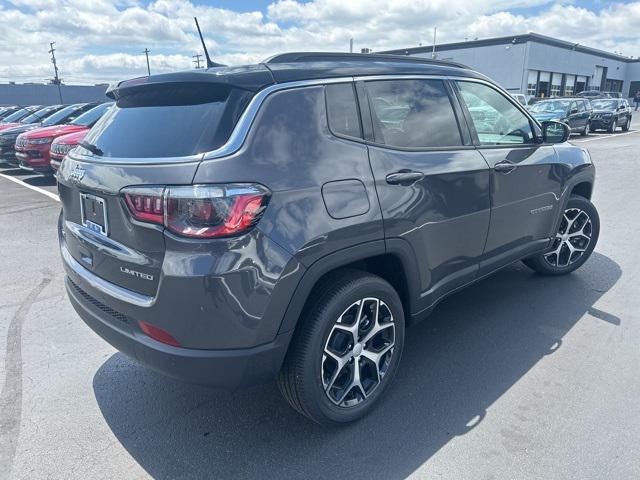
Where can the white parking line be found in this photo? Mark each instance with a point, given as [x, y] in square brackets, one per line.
[602, 137]
[31, 187]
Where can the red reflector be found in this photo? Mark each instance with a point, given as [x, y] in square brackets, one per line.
[158, 334]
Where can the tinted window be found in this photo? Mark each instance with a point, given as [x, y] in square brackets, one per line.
[15, 116]
[582, 106]
[497, 121]
[413, 114]
[40, 115]
[87, 119]
[342, 110]
[155, 122]
[66, 114]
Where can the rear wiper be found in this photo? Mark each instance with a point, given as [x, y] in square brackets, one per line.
[92, 148]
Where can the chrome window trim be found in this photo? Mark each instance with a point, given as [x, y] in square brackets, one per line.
[108, 288]
[241, 130]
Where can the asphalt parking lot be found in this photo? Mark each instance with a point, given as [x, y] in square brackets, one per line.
[517, 377]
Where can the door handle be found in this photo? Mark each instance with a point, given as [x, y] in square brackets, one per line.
[404, 177]
[505, 166]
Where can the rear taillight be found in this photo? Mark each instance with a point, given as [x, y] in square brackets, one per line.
[199, 211]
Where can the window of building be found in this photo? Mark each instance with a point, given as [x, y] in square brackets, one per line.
[581, 84]
[544, 84]
[413, 114]
[532, 82]
[342, 110]
[497, 120]
[556, 83]
[569, 84]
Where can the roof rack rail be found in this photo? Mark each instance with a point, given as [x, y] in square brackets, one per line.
[294, 57]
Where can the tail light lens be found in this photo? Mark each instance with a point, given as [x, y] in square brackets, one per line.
[200, 211]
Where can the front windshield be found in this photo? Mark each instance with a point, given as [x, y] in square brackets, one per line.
[553, 106]
[604, 104]
[16, 116]
[41, 114]
[87, 119]
[61, 115]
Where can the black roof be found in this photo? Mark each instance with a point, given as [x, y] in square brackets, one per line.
[297, 66]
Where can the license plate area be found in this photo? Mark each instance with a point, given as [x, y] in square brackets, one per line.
[93, 213]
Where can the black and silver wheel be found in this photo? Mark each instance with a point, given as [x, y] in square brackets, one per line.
[613, 126]
[345, 350]
[574, 241]
[627, 125]
[586, 130]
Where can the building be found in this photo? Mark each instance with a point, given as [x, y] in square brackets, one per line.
[537, 65]
[47, 94]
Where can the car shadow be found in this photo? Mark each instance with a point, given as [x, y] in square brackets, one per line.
[14, 171]
[41, 181]
[456, 364]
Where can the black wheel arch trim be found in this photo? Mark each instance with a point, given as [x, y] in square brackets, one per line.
[582, 176]
[342, 258]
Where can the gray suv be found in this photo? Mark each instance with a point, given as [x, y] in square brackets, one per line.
[289, 219]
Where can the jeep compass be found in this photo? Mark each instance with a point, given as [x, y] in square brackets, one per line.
[290, 219]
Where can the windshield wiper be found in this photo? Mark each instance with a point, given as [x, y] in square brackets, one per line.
[92, 148]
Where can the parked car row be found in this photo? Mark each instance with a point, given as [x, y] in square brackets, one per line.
[36, 137]
[584, 115]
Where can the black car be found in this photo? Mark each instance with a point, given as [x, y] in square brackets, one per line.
[45, 117]
[575, 112]
[289, 219]
[611, 113]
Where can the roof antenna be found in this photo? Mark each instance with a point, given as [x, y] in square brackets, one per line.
[210, 63]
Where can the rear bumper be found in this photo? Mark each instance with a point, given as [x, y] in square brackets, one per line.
[219, 368]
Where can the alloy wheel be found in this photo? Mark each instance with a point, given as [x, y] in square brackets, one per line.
[358, 352]
[572, 240]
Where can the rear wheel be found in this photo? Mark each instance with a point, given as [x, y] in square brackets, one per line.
[346, 349]
[574, 242]
[586, 130]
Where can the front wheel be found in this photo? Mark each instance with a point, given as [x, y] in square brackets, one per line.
[586, 130]
[612, 127]
[574, 242]
[627, 125]
[346, 349]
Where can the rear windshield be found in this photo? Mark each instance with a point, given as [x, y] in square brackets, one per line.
[168, 122]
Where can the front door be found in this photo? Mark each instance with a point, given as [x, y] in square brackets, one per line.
[432, 184]
[526, 179]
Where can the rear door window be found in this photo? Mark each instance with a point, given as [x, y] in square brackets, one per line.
[413, 114]
[173, 121]
[342, 110]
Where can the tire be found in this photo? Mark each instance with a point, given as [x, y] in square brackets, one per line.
[309, 372]
[559, 259]
[612, 127]
[586, 130]
[627, 125]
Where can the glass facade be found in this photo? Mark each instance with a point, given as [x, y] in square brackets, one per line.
[554, 84]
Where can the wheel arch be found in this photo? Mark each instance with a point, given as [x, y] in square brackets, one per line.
[392, 264]
[583, 189]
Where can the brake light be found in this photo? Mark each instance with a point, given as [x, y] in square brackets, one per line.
[199, 211]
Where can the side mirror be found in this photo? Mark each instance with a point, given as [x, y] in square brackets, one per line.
[574, 110]
[555, 132]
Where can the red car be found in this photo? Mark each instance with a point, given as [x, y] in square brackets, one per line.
[33, 148]
[63, 145]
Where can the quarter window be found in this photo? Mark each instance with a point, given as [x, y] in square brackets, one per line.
[342, 110]
[413, 114]
[497, 121]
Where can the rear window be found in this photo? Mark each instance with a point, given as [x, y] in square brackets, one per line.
[168, 121]
[342, 110]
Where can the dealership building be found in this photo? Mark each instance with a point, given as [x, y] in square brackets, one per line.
[537, 65]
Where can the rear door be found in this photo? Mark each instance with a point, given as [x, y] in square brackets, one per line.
[432, 184]
[526, 178]
[575, 119]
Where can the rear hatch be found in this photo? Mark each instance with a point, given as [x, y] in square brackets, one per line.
[153, 137]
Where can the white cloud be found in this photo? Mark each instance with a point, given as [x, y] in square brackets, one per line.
[100, 40]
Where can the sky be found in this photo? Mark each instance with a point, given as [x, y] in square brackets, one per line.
[101, 41]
